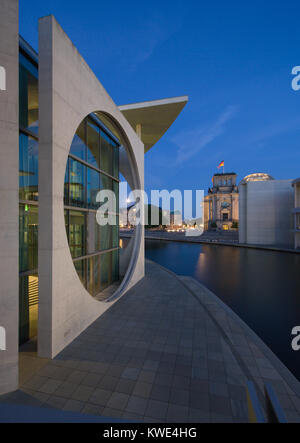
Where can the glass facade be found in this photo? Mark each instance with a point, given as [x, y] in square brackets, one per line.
[28, 237]
[93, 164]
[28, 196]
[28, 94]
[28, 168]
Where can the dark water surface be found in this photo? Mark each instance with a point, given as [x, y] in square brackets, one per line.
[262, 287]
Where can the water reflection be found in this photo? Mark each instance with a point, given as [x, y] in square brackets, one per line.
[262, 287]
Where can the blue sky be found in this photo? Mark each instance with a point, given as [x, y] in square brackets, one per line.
[233, 59]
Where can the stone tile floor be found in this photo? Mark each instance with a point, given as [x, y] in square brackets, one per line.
[161, 354]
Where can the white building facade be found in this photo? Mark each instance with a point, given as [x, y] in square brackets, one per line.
[265, 209]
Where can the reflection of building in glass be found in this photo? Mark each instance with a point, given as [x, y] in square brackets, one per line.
[221, 205]
[265, 211]
[296, 212]
[93, 165]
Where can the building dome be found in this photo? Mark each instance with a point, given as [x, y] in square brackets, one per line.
[257, 177]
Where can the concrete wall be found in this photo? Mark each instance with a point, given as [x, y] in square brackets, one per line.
[266, 213]
[68, 92]
[243, 213]
[9, 194]
[297, 195]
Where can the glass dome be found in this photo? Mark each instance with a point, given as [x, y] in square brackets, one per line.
[257, 177]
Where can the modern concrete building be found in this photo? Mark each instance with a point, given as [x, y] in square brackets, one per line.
[62, 140]
[296, 212]
[265, 208]
[221, 205]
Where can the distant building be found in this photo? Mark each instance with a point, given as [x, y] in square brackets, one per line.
[265, 210]
[221, 205]
[296, 212]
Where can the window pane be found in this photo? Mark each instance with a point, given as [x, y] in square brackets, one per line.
[77, 183]
[116, 191]
[106, 154]
[78, 147]
[115, 234]
[28, 307]
[67, 222]
[28, 96]
[97, 237]
[93, 144]
[80, 267]
[28, 168]
[105, 182]
[23, 310]
[105, 268]
[115, 171]
[115, 266]
[77, 234]
[97, 284]
[93, 186]
[94, 276]
[105, 237]
[90, 275]
[28, 237]
[66, 188]
[93, 234]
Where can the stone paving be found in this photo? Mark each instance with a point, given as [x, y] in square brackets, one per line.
[165, 352]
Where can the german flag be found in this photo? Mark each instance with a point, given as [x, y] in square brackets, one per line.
[221, 165]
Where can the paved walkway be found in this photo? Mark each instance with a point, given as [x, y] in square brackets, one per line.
[168, 351]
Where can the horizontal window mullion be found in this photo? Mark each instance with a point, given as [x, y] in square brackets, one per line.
[27, 132]
[83, 162]
[29, 202]
[80, 209]
[27, 273]
[95, 254]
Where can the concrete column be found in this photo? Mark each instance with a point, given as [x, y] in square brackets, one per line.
[9, 197]
[139, 131]
[68, 92]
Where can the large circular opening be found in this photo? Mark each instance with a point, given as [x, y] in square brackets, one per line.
[97, 155]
